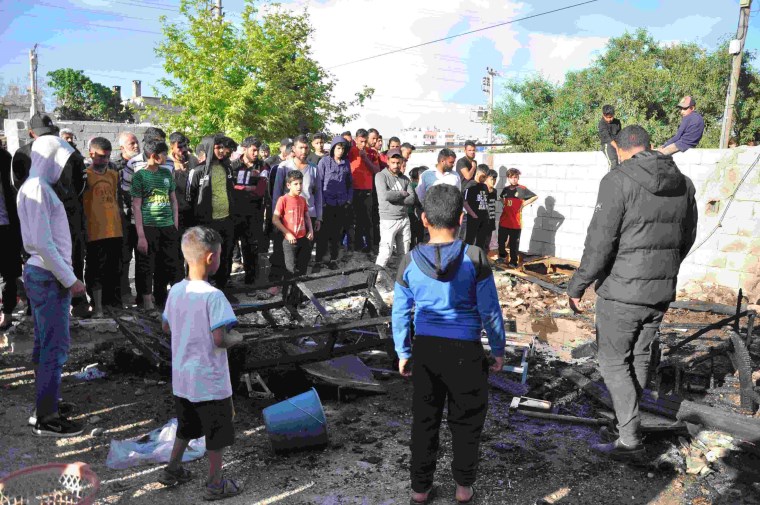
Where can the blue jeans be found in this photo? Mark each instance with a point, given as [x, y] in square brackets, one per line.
[50, 303]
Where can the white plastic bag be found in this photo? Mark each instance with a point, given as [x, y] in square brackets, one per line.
[155, 447]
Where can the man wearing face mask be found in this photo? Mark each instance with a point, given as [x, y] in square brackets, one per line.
[49, 276]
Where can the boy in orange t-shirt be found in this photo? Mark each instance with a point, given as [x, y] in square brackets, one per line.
[291, 217]
[104, 230]
[514, 197]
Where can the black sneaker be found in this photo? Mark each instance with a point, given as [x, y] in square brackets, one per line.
[59, 427]
[607, 434]
[65, 409]
[333, 265]
[617, 450]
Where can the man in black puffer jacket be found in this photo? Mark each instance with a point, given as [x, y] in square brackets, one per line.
[644, 225]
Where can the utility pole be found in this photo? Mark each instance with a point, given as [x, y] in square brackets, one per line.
[218, 9]
[488, 87]
[33, 80]
[736, 48]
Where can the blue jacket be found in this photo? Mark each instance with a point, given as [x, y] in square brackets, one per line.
[451, 288]
[689, 132]
[337, 184]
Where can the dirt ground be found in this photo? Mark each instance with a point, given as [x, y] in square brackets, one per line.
[523, 460]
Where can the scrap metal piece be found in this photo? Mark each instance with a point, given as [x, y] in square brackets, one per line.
[345, 372]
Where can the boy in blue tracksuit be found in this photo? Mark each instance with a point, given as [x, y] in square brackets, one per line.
[451, 288]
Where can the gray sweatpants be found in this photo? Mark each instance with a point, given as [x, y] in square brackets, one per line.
[624, 335]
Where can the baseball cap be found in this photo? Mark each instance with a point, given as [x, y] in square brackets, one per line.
[394, 152]
[42, 125]
[407, 145]
[686, 102]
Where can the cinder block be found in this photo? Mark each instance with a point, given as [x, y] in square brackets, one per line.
[735, 260]
[732, 243]
[723, 277]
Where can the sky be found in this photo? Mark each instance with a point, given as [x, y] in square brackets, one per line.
[436, 85]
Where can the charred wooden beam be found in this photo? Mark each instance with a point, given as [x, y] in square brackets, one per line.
[743, 427]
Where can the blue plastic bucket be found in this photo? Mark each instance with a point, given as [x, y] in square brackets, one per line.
[297, 422]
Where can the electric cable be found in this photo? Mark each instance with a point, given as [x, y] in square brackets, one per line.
[728, 206]
[464, 33]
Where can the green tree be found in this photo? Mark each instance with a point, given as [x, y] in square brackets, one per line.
[643, 80]
[78, 97]
[256, 76]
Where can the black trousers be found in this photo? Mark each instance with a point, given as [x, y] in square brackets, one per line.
[363, 229]
[624, 335]
[129, 247]
[611, 154]
[418, 230]
[103, 268]
[478, 233]
[375, 218]
[513, 236]
[452, 372]
[226, 229]
[10, 266]
[248, 231]
[335, 219]
[159, 267]
[296, 256]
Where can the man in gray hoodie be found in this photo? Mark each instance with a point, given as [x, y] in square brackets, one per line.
[644, 225]
[49, 275]
[394, 198]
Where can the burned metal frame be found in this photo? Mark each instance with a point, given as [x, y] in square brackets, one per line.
[735, 348]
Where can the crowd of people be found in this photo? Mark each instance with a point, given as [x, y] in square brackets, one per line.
[71, 225]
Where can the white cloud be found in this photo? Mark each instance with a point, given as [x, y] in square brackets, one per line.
[553, 55]
[412, 87]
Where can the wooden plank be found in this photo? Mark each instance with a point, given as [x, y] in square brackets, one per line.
[564, 419]
[314, 301]
[697, 306]
[254, 338]
[666, 406]
[535, 280]
[318, 355]
[713, 326]
[744, 427]
[303, 278]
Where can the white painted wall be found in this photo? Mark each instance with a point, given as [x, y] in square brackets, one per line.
[567, 185]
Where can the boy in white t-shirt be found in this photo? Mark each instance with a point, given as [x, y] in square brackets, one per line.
[200, 318]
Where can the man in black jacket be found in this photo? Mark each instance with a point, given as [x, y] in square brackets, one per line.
[210, 195]
[249, 199]
[644, 225]
[10, 238]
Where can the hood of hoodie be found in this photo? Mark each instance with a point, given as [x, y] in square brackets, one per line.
[49, 157]
[439, 261]
[208, 147]
[335, 141]
[655, 172]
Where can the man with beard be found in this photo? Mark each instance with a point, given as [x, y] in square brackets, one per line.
[644, 224]
[249, 199]
[211, 195]
[129, 148]
[364, 166]
[183, 161]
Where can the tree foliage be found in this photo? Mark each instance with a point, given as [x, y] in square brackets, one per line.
[257, 76]
[644, 81]
[79, 98]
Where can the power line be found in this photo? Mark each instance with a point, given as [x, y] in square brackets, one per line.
[463, 34]
[93, 11]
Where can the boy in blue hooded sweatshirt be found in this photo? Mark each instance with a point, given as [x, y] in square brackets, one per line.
[337, 192]
[451, 288]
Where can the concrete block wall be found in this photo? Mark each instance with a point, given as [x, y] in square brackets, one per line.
[16, 132]
[567, 183]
